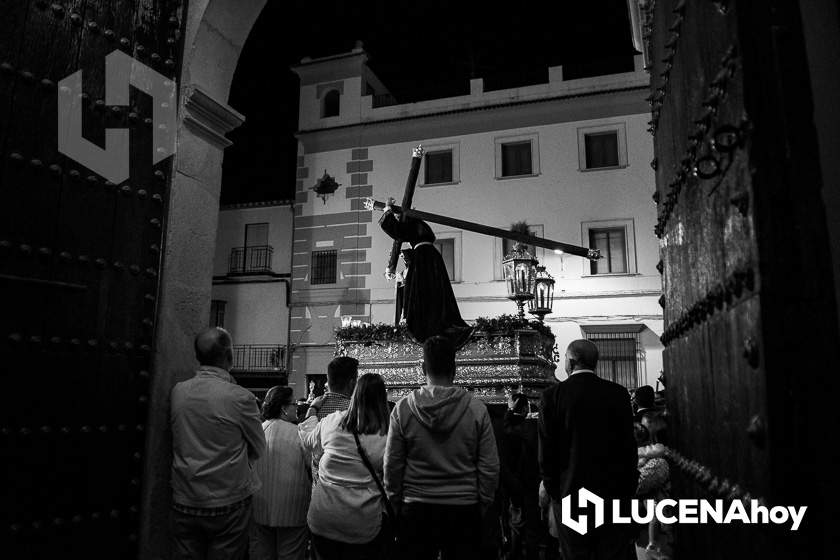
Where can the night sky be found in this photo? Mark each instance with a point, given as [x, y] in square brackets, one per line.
[419, 51]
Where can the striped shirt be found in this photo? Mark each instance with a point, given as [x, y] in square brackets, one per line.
[284, 497]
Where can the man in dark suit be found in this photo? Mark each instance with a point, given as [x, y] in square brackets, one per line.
[586, 441]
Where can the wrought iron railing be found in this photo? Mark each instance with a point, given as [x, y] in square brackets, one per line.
[250, 260]
[621, 356]
[259, 358]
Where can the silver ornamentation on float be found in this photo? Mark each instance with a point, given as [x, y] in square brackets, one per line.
[491, 366]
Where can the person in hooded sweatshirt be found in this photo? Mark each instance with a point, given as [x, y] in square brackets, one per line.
[441, 463]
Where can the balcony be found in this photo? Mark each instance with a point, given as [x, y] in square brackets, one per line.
[259, 358]
[251, 260]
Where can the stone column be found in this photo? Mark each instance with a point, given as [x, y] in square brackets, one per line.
[184, 298]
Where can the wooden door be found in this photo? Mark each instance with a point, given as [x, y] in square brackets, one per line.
[79, 262]
[748, 296]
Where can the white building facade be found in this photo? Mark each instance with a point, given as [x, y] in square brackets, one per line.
[571, 158]
[251, 288]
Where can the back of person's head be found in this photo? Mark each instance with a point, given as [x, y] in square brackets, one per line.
[583, 354]
[368, 412]
[276, 399]
[439, 358]
[644, 397]
[342, 373]
[654, 421]
[214, 347]
[641, 434]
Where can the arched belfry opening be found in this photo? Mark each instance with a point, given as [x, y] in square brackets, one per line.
[331, 104]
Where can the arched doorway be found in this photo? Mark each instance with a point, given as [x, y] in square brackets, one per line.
[216, 31]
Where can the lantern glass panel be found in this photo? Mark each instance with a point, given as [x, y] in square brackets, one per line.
[509, 277]
[543, 292]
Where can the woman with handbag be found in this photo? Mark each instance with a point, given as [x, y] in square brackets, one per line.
[346, 511]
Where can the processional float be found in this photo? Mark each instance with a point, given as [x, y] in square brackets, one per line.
[489, 364]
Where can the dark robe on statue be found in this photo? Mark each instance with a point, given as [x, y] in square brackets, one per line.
[428, 303]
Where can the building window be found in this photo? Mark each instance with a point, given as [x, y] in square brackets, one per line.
[516, 159]
[438, 167]
[255, 257]
[613, 246]
[441, 165]
[517, 156]
[621, 356]
[602, 147]
[504, 247]
[446, 247]
[324, 267]
[616, 241]
[331, 104]
[217, 313]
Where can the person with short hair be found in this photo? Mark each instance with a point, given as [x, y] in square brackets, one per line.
[342, 373]
[279, 529]
[586, 441]
[216, 437]
[345, 514]
[441, 462]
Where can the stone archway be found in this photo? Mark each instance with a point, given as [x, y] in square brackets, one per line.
[216, 31]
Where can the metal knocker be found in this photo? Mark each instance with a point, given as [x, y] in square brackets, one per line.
[725, 140]
[707, 167]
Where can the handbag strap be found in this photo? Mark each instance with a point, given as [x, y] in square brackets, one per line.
[372, 471]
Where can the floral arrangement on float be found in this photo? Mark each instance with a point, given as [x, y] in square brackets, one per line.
[492, 327]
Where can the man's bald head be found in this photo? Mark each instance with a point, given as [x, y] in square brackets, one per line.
[583, 354]
[214, 347]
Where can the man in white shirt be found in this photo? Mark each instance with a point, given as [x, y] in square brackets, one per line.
[216, 436]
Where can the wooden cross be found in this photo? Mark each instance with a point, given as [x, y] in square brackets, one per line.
[585, 252]
[408, 196]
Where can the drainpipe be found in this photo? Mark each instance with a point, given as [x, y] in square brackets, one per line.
[289, 296]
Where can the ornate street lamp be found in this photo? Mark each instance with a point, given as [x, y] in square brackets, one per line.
[543, 301]
[520, 274]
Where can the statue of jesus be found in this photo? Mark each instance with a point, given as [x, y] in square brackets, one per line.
[429, 305]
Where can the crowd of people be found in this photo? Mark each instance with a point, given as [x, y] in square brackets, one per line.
[351, 475]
